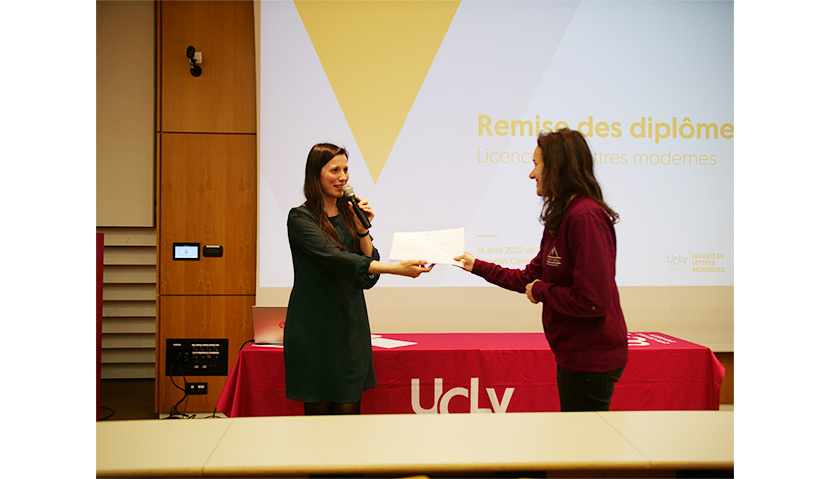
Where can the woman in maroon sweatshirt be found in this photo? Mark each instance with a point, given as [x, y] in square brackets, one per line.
[573, 274]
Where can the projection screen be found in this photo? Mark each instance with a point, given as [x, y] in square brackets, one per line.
[439, 105]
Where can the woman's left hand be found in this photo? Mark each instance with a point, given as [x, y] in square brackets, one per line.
[529, 291]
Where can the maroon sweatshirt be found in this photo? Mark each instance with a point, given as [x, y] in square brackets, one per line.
[581, 312]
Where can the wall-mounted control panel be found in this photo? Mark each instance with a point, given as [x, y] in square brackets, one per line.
[186, 251]
[197, 357]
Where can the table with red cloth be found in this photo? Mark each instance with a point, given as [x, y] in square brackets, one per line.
[484, 373]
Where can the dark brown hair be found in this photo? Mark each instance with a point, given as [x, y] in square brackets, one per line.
[568, 171]
[318, 158]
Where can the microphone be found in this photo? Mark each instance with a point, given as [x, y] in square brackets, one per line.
[349, 192]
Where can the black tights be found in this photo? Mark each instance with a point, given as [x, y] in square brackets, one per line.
[582, 391]
[331, 408]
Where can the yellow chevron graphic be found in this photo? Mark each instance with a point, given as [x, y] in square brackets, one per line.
[376, 55]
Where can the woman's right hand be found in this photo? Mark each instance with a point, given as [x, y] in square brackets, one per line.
[412, 268]
[467, 261]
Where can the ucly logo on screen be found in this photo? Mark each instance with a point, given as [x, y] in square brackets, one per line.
[441, 400]
[376, 56]
[677, 261]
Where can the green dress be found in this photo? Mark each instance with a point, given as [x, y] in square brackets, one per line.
[328, 349]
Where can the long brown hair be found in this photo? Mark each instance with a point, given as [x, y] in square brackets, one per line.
[568, 171]
[319, 155]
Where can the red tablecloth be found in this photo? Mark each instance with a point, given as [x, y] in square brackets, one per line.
[485, 372]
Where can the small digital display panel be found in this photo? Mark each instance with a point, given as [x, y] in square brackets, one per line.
[186, 251]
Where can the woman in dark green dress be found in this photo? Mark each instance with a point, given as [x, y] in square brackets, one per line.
[328, 350]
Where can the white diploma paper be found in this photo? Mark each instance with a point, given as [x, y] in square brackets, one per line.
[439, 246]
[390, 343]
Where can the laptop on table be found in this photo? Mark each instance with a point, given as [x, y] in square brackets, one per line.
[269, 324]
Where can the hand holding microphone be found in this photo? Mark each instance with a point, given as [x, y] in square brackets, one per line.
[348, 191]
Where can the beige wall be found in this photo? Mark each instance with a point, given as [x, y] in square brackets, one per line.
[125, 102]
[125, 184]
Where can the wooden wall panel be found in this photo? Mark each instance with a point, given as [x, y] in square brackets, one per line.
[206, 183]
[208, 196]
[727, 390]
[201, 317]
[223, 98]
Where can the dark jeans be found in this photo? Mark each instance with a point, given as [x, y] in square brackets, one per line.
[580, 391]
